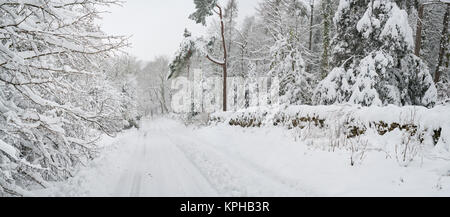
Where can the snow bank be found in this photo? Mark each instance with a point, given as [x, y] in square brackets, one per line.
[433, 125]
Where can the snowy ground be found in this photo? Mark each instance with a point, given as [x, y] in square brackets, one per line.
[166, 158]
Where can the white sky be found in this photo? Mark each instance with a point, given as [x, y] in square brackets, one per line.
[157, 26]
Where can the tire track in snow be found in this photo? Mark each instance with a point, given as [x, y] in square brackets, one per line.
[237, 157]
[125, 175]
[219, 177]
[176, 169]
[139, 169]
[231, 176]
[130, 180]
[159, 168]
[167, 158]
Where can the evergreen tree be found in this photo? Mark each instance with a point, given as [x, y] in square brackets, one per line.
[183, 56]
[347, 41]
[376, 58]
[204, 9]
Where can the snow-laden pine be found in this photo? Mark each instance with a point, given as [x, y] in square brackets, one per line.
[374, 62]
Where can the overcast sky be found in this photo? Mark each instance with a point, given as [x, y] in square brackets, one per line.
[157, 26]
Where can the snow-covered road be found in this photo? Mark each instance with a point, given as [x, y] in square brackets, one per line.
[165, 158]
[156, 167]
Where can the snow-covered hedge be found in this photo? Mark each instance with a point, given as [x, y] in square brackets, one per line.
[432, 126]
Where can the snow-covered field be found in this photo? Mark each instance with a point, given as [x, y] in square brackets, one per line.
[166, 158]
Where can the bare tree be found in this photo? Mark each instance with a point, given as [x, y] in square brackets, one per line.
[53, 96]
[154, 88]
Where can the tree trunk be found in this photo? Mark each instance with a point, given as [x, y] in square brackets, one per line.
[326, 13]
[225, 58]
[311, 25]
[443, 46]
[419, 30]
[163, 96]
[225, 62]
[242, 60]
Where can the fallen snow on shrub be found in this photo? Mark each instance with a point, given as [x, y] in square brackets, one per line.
[404, 134]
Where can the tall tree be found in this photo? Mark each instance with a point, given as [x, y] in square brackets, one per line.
[374, 59]
[204, 9]
[443, 52]
[327, 14]
[183, 56]
[311, 23]
[287, 23]
[54, 96]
